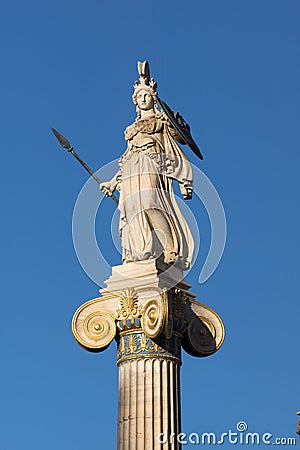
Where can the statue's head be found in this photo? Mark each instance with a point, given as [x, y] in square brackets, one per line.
[145, 90]
[143, 99]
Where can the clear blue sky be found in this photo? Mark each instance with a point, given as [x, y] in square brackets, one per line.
[232, 69]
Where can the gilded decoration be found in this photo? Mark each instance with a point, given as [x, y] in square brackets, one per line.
[97, 331]
[168, 313]
[137, 344]
[129, 305]
[153, 318]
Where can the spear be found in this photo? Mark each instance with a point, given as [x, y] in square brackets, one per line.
[66, 144]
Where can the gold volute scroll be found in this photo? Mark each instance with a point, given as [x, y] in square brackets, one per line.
[153, 318]
[201, 336]
[205, 331]
[93, 330]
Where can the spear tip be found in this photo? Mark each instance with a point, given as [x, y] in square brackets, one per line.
[61, 139]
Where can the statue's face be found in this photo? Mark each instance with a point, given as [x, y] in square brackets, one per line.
[144, 100]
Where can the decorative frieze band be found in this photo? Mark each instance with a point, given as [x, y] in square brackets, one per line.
[136, 344]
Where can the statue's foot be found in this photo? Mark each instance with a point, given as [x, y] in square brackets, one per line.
[170, 257]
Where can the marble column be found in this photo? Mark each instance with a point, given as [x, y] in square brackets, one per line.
[152, 315]
[149, 392]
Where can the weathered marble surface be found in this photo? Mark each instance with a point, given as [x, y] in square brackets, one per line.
[151, 222]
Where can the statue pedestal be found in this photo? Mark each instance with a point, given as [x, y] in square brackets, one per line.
[152, 314]
[145, 274]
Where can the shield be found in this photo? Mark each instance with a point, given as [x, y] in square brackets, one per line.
[181, 126]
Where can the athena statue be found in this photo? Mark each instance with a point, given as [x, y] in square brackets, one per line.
[152, 225]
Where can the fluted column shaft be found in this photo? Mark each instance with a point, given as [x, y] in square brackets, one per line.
[149, 392]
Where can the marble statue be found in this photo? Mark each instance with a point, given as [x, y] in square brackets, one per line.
[152, 225]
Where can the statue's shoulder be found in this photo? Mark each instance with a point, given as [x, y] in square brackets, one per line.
[130, 131]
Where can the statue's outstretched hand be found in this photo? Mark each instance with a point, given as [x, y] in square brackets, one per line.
[186, 189]
[108, 188]
[188, 194]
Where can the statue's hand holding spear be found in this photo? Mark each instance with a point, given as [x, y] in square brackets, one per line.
[108, 187]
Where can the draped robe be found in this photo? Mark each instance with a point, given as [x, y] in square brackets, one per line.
[151, 223]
